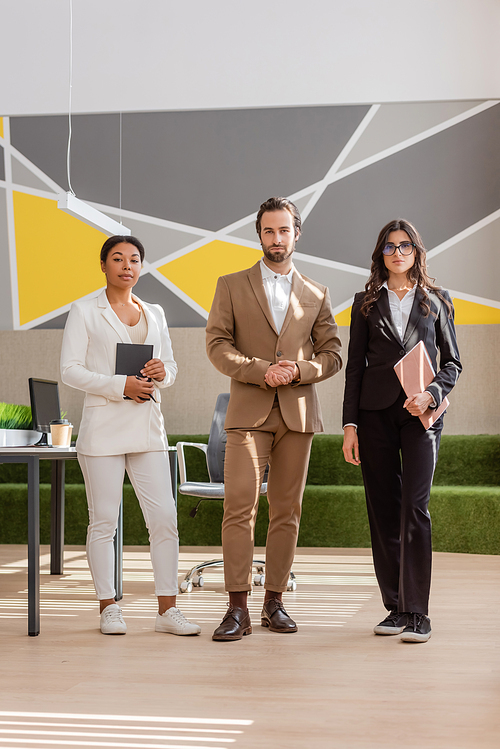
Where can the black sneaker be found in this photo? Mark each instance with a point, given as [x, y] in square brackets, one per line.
[418, 629]
[393, 624]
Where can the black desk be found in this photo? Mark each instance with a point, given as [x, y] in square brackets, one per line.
[32, 456]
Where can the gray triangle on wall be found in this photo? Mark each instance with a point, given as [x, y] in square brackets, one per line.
[21, 175]
[395, 123]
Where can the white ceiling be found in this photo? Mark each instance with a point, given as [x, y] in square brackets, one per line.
[161, 55]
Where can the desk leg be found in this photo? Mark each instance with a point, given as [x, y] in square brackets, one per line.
[33, 546]
[118, 542]
[57, 517]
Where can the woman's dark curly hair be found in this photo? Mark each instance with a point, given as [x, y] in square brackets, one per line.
[417, 274]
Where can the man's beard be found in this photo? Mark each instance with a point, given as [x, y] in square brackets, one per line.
[273, 257]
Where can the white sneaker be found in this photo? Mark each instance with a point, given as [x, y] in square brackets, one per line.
[112, 620]
[174, 622]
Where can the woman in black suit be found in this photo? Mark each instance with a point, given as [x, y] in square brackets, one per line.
[382, 432]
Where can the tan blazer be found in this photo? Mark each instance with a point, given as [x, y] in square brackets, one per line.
[111, 425]
[242, 342]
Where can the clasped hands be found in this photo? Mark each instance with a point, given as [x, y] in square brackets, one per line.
[281, 373]
[140, 390]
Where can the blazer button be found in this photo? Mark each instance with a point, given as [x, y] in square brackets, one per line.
[279, 353]
[402, 352]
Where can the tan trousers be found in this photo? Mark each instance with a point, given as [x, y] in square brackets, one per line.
[247, 454]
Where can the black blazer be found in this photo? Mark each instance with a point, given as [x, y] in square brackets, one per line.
[375, 347]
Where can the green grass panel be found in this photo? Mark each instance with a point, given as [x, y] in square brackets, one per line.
[327, 465]
[334, 516]
[472, 460]
[17, 473]
[205, 528]
[14, 513]
[465, 519]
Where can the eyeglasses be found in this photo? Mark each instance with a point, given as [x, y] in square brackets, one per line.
[405, 248]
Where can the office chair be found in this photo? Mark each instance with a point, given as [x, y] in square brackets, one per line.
[214, 489]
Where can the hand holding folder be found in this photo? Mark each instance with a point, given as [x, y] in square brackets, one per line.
[131, 358]
[415, 372]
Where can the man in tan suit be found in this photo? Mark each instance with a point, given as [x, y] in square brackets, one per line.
[272, 331]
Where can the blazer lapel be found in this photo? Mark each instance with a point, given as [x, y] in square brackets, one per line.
[255, 278]
[414, 316]
[153, 335]
[112, 318]
[385, 314]
[295, 294]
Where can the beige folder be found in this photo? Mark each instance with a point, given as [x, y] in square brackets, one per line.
[415, 373]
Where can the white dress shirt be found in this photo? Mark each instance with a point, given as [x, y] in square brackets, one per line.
[278, 289]
[400, 308]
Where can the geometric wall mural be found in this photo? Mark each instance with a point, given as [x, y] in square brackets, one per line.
[191, 183]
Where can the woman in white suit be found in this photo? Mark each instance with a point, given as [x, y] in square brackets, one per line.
[118, 434]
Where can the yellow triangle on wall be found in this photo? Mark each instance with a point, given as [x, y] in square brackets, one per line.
[196, 273]
[344, 317]
[57, 256]
[471, 313]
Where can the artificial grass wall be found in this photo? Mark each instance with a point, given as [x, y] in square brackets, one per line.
[466, 517]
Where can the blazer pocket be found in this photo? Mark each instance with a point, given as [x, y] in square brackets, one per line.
[92, 400]
[307, 304]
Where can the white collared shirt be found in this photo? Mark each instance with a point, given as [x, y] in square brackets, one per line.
[278, 289]
[400, 308]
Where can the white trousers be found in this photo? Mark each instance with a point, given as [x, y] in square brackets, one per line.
[149, 474]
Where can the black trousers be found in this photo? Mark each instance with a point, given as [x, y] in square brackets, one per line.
[398, 458]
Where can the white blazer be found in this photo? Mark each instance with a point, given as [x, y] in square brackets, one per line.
[111, 425]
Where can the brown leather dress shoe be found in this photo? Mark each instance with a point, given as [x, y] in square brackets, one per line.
[234, 626]
[275, 617]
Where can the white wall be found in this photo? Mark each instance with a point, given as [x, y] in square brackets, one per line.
[159, 54]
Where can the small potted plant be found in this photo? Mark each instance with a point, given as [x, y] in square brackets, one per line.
[16, 426]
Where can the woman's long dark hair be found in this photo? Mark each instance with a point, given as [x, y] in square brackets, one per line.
[417, 274]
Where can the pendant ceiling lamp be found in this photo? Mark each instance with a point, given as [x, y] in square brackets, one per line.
[69, 203]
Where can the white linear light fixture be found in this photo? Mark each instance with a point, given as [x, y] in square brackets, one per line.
[68, 202]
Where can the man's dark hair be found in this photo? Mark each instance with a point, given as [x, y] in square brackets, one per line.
[279, 204]
[113, 241]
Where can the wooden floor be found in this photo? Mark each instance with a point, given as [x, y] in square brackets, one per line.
[332, 685]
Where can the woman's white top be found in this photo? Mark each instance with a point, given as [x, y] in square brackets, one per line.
[400, 308]
[111, 425]
[139, 331]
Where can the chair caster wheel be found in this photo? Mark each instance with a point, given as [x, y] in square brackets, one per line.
[259, 579]
[186, 586]
[198, 581]
[292, 585]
